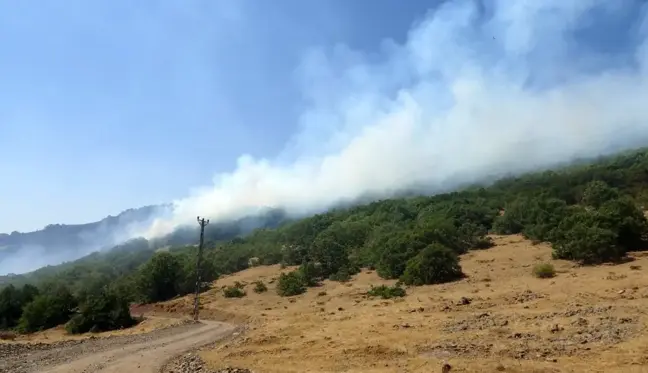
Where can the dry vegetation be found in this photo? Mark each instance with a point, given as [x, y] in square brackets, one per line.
[59, 333]
[500, 318]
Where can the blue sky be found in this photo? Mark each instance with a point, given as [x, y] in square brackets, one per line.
[116, 104]
[226, 106]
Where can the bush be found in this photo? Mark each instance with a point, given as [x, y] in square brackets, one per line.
[544, 270]
[260, 287]
[160, 278]
[386, 292]
[598, 192]
[586, 237]
[47, 310]
[290, 284]
[101, 312]
[233, 292]
[311, 273]
[12, 301]
[343, 275]
[434, 265]
[483, 243]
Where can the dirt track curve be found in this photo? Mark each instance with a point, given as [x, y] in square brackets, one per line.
[146, 353]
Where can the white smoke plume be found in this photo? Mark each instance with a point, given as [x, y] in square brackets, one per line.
[479, 88]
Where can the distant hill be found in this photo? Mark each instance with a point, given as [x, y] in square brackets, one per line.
[126, 255]
[56, 243]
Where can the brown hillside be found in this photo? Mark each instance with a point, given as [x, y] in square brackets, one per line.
[586, 319]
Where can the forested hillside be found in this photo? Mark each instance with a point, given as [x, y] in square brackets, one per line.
[589, 213]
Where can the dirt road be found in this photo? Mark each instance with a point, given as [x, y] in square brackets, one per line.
[139, 353]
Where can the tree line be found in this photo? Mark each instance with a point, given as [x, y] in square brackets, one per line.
[589, 213]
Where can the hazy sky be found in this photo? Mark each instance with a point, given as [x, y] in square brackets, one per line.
[117, 104]
[107, 105]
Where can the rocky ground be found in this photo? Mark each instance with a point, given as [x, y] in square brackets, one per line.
[141, 353]
[193, 363]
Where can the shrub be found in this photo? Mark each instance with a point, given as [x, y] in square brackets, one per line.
[260, 287]
[311, 273]
[434, 265]
[482, 243]
[290, 284]
[47, 310]
[544, 270]
[597, 192]
[233, 292]
[586, 242]
[12, 301]
[101, 312]
[386, 292]
[343, 275]
[160, 278]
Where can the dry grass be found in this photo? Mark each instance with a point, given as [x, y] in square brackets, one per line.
[59, 334]
[586, 319]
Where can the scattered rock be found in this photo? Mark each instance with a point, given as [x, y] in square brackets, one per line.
[192, 363]
[234, 370]
[480, 321]
[525, 296]
[556, 328]
[32, 357]
[580, 322]
[455, 348]
[613, 276]
[464, 301]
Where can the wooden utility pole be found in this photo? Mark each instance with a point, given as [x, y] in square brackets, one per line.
[202, 223]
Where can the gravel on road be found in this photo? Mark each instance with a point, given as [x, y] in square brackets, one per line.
[146, 353]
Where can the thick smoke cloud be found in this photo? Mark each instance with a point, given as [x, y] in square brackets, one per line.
[478, 89]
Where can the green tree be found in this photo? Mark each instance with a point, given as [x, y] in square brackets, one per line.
[160, 278]
[434, 265]
[627, 220]
[589, 245]
[11, 304]
[187, 282]
[397, 250]
[597, 192]
[332, 247]
[28, 293]
[102, 311]
[291, 283]
[586, 236]
[47, 310]
[311, 273]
